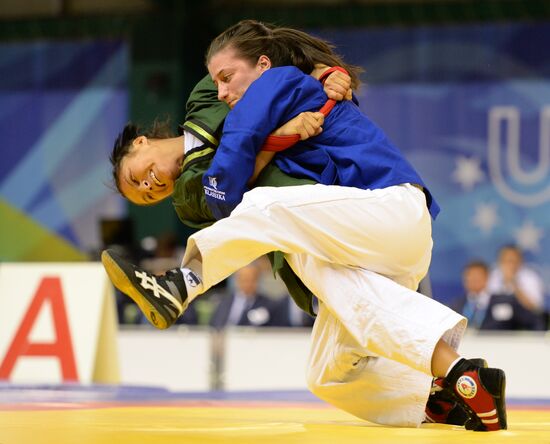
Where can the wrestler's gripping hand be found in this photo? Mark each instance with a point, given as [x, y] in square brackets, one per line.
[338, 86]
[306, 124]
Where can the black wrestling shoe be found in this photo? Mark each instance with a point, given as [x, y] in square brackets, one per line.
[162, 299]
[442, 406]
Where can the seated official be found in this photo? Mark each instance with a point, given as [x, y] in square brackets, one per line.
[287, 314]
[473, 303]
[244, 306]
[520, 290]
[505, 312]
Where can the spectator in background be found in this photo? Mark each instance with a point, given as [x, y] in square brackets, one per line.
[244, 306]
[473, 303]
[517, 291]
[287, 314]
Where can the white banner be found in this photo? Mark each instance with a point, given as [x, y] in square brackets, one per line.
[57, 324]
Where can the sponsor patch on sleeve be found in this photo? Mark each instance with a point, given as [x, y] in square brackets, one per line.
[212, 189]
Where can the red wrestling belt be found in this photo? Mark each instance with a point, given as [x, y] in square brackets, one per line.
[281, 143]
[329, 71]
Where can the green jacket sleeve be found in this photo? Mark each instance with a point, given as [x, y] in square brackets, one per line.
[204, 120]
[205, 114]
[188, 196]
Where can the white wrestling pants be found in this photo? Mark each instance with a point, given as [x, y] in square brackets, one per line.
[362, 253]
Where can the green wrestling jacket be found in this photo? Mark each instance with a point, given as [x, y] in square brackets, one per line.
[204, 119]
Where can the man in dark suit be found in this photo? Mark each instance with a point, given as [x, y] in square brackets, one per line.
[287, 314]
[244, 306]
[473, 303]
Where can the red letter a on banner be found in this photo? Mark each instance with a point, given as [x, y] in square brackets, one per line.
[62, 348]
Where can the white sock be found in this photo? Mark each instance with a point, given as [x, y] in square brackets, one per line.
[452, 365]
[193, 280]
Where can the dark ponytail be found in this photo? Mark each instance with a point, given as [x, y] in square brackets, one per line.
[283, 46]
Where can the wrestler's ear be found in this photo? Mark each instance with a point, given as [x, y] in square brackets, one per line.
[139, 142]
[264, 63]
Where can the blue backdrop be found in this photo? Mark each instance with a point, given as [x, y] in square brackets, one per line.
[61, 105]
[470, 107]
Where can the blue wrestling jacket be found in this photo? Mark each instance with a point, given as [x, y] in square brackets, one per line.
[351, 150]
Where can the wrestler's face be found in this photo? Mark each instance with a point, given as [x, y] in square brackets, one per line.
[146, 176]
[233, 74]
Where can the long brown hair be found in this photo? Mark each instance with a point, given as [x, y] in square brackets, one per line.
[284, 47]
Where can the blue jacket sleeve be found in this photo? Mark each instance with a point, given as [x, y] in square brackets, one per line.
[272, 100]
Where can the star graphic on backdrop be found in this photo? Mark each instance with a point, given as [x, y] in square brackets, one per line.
[468, 172]
[528, 236]
[485, 217]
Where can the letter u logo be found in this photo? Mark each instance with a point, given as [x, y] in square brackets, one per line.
[532, 182]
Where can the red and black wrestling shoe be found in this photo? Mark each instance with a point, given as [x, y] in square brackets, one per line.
[481, 393]
[442, 406]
